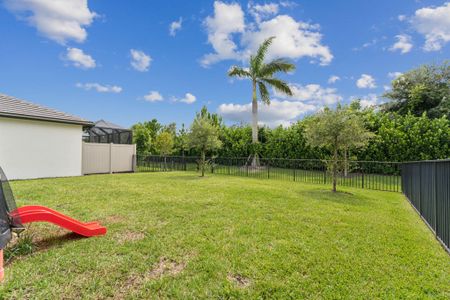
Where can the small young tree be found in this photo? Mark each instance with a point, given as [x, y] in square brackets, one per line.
[204, 136]
[164, 145]
[338, 130]
[181, 143]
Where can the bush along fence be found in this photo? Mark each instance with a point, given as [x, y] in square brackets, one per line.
[383, 176]
[426, 184]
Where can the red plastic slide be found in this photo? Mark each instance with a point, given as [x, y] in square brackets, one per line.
[37, 213]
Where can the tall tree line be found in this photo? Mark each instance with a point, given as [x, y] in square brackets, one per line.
[396, 137]
[413, 125]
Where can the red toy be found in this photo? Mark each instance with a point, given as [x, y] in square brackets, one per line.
[12, 218]
[37, 213]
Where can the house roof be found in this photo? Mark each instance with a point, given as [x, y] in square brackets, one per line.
[107, 124]
[12, 107]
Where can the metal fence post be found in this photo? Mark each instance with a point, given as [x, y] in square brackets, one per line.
[435, 198]
[362, 178]
[420, 188]
[309, 170]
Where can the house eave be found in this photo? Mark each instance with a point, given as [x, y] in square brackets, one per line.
[46, 119]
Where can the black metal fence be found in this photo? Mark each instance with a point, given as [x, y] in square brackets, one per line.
[426, 184]
[383, 176]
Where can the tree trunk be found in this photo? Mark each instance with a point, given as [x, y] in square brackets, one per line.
[255, 160]
[335, 162]
[203, 163]
[254, 115]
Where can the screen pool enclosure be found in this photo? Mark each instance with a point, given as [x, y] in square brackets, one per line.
[107, 132]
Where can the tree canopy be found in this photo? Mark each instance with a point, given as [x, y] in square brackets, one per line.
[204, 137]
[144, 136]
[164, 143]
[425, 89]
[337, 130]
[398, 135]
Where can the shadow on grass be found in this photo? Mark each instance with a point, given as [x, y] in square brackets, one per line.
[27, 245]
[188, 177]
[339, 197]
[52, 241]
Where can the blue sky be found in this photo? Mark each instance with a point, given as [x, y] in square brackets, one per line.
[119, 60]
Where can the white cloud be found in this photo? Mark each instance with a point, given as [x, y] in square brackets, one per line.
[153, 96]
[370, 100]
[228, 19]
[366, 82]
[188, 99]
[401, 18]
[262, 11]
[294, 39]
[60, 21]
[333, 79]
[283, 110]
[288, 4]
[371, 43]
[394, 75]
[100, 88]
[139, 60]
[403, 44]
[434, 24]
[175, 26]
[79, 59]
[386, 87]
[277, 113]
[312, 94]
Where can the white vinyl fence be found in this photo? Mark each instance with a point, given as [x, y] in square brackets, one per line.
[108, 158]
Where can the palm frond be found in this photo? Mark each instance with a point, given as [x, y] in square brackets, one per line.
[279, 85]
[258, 59]
[236, 71]
[265, 97]
[277, 65]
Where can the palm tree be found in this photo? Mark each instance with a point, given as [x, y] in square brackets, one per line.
[262, 74]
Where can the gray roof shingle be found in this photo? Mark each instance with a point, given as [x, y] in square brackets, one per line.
[17, 108]
[106, 124]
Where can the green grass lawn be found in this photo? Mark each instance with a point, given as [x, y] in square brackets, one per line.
[175, 235]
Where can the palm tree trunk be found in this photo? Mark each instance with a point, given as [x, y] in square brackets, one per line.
[255, 160]
[254, 115]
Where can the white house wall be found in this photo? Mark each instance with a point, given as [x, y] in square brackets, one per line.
[38, 149]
